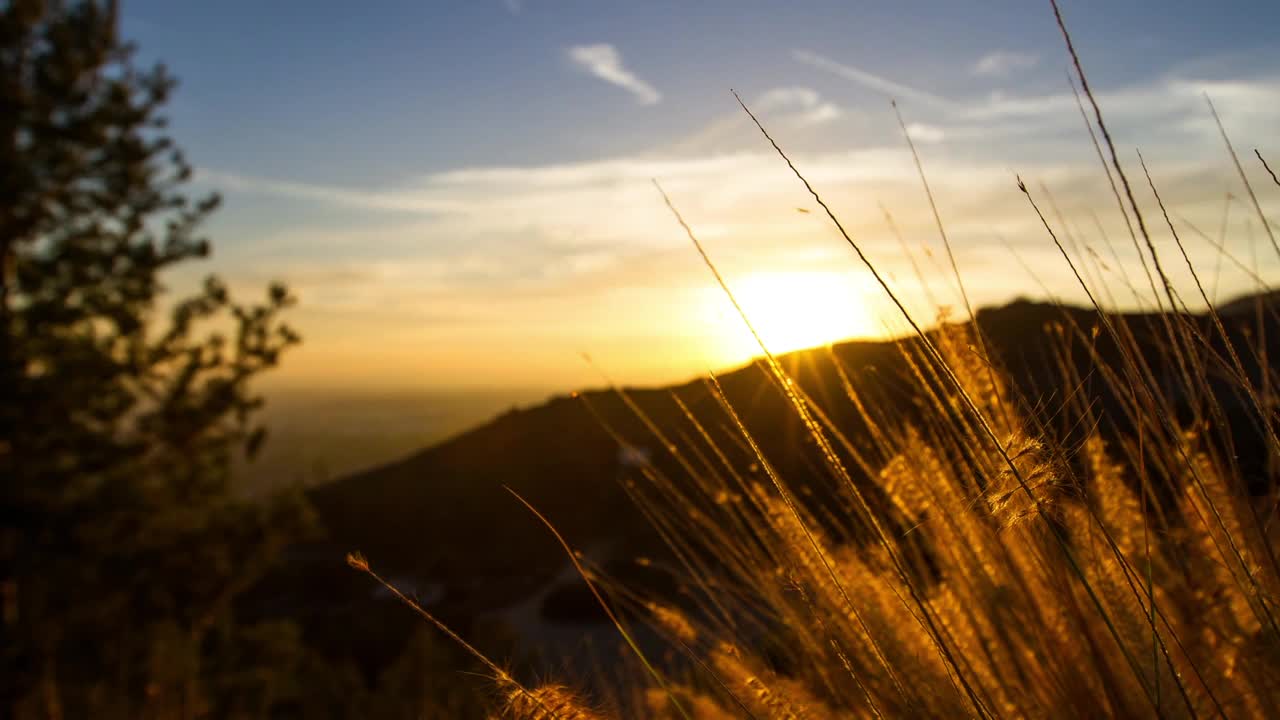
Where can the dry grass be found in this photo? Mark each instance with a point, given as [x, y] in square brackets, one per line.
[999, 571]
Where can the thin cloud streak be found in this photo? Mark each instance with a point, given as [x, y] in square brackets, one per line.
[1003, 62]
[921, 132]
[803, 104]
[871, 81]
[392, 200]
[603, 61]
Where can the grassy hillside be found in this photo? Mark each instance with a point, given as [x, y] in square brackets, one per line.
[441, 518]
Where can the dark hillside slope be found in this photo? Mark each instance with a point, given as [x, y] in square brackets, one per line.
[442, 517]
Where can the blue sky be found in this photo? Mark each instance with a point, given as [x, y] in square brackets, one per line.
[442, 182]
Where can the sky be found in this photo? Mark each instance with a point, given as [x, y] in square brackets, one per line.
[461, 193]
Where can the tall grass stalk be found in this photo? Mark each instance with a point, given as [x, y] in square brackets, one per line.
[995, 554]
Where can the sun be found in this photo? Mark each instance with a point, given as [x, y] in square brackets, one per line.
[791, 310]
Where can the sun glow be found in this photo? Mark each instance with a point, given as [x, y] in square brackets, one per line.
[791, 311]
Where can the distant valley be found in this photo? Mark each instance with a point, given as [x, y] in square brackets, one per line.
[322, 433]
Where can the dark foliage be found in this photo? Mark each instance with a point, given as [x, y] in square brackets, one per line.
[122, 545]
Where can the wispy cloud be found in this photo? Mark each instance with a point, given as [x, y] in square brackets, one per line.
[464, 263]
[514, 6]
[871, 81]
[1003, 62]
[547, 255]
[584, 199]
[920, 132]
[392, 200]
[802, 108]
[603, 61]
[805, 104]
[1163, 112]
